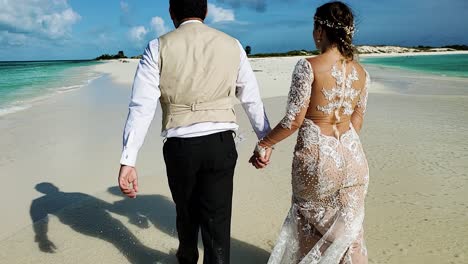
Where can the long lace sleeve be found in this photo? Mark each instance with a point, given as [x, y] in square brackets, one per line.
[298, 102]
[357, 117]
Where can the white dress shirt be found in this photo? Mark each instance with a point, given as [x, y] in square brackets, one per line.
[146, 94]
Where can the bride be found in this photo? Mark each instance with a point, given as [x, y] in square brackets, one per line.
[330, 175]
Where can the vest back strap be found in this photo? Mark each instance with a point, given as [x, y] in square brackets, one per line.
[179, 109]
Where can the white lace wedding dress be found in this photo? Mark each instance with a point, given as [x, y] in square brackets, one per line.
[330, 174]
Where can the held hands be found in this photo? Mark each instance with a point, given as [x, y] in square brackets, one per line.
[128, 181]
[261, 161]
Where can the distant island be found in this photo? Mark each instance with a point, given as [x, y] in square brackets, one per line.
[119, 55]
[396, 49]
[361, 49]
[367, 49]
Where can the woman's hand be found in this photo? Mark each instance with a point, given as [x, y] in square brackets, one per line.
[261, 162]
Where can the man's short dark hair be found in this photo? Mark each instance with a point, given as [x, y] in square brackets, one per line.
[182, 9]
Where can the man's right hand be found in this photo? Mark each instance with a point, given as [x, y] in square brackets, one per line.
[128, 181]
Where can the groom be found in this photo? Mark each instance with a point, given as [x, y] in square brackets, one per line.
[194, 72]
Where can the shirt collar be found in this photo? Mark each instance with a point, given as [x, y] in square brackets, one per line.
[191, 21]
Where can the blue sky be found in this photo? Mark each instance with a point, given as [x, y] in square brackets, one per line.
[83, 29]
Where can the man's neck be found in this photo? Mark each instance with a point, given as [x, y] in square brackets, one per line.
[191, 19]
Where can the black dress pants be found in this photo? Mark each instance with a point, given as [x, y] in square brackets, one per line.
[200, 172]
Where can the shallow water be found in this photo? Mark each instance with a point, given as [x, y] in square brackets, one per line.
[455, 65]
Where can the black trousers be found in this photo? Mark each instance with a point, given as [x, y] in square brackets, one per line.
[200, 173]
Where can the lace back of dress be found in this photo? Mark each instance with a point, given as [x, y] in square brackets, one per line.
[341, 96]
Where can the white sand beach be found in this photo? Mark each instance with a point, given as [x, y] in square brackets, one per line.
[414, 138]
[392, 51]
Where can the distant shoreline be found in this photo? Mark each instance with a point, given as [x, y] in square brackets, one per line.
[399, 53]
[369, 55]
[422, 53]
[366, 55]
[361, 49]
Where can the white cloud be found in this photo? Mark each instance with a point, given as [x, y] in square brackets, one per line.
[57, 25]
[218, 14]
[37, 18]
[159, 26]
[138, 35]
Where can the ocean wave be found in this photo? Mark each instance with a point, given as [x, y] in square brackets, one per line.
[13, 109]
[95, 77]
[23, 104]
[70, 88]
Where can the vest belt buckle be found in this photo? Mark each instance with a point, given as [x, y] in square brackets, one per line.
[193, 107]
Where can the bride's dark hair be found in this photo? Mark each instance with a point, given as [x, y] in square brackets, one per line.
[337, 20]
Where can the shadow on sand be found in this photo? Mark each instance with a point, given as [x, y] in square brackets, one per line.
[91, 216]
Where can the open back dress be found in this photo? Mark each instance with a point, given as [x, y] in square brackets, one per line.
[330, 173]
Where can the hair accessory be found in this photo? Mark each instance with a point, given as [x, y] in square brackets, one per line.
[346, 43]
[337, 25]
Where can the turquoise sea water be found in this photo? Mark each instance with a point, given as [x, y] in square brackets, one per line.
[22, 83]
[455, 65]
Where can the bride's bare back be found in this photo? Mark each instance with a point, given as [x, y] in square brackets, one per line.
[338, 95]
[331, 93]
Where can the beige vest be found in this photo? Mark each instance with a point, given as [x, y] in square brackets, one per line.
[199, 67]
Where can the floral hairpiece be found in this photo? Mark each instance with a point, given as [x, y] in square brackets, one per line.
[348, 29]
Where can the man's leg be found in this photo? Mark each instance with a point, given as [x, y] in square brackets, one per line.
[215, 181]
[182, 167]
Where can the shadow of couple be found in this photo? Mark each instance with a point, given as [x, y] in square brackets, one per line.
[91, 216]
